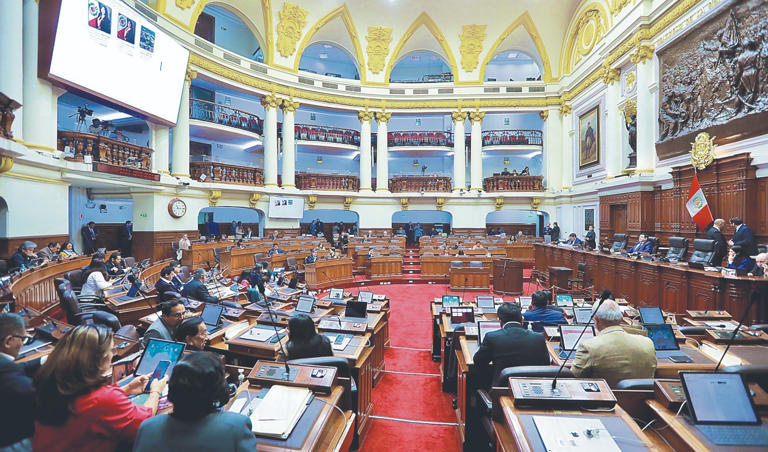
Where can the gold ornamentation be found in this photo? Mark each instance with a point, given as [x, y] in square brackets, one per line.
[348, 202]
[293, 19]
[702, 151]
[254, 200]
[590, 28]
[459, 115]
[476, 116]
[185, 4]
[525, 21]
[439, 203]
[629, 82]
[609, 75]
[618, 5]
[629, 109]
[404, 203]
[190, 75]
[565, 109]
[271, 101]
[535, 203]
[290, 105]
[378, 39]
[499, 203]
[643, 53]
[214, 197]
[311, 201]
[472, 37]
[544, 114]
[364, 115]
[383, 116]
[6, 163]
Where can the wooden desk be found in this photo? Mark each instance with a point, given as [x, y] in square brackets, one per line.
[558, 276]
[384, 267]
[469, 278]
[328, 273]
[465, 354]
[737, 354]
[130, 311]
[437, 267]
[507, 276]
[254, 349]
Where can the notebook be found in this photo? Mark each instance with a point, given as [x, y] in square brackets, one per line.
[211, 316]
[652, 315]
[280, 410]
[664, 341]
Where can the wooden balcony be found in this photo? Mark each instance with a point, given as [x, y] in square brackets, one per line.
[400, 184]
[498, 183]
[81, 146]
[226, 174]
[330, 182]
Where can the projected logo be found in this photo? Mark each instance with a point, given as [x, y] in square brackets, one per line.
[126, 29]
[99, 16]
[147, 39]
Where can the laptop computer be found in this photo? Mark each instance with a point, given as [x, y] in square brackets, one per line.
[486, 326]
[569, 337]
[664, 342]
[485, 301]
[305, 304]
[365, 296]
[722, 410]
[133, 292]
[525, 301]
[582, 315]
[651, 315]
[356, 309]
[336, 294]
[462, 314]
[211, 316]
[451, 300]
[563, 300]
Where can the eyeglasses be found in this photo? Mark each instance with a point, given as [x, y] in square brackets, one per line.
[179, 315]
[25, 339]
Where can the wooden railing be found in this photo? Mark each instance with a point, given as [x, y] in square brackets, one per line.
[79, 146]
[226, 173]
[419, 138]
[513, 183]
[512, 137]
[35, 288]
[310, 132]
[340, 182]
[399, 184]
[224, 115]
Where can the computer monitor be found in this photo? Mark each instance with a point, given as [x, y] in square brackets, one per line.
[211, 314]
[159, 350]
[662, 336]
[718, 398]
[651, 315]
[336, 294]
[484, 301]
[356, 309]
[305, 304]
[563, 300]
[569, 334]
[365, 296]
[582, 315]
[451, 300]
[486, 326]
[525, 301]
[462, 314]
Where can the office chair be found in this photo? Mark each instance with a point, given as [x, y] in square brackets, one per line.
[678, 248]
[703, 251]
[636, 384]
[619, 242]
[654, 244]
[82, 313]
[75, 277]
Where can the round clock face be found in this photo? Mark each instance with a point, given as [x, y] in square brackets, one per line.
[177, 208]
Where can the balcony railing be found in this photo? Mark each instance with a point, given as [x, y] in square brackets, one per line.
[226, 173]
[419, 138]
[400, 184]
[80, 146]
[498, 183]
[333, 182]
[227, 116]
[512, 137]
[327, 134]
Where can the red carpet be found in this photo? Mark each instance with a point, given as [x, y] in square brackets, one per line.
[389, 436]
[406, 360]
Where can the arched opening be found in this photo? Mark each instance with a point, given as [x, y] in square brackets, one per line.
[333, 221]
[433, 222]
[227, 30]
[328, 58]
[531, 222]
[3, 218]
[421, 66]
[218, 221]
[513, 66]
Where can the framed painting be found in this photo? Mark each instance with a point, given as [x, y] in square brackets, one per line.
[589, 138]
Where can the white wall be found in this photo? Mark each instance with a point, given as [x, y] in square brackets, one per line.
[34, 207]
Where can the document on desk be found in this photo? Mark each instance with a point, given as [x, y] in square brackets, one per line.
[258, 334]
[565, 434]
[280, 410]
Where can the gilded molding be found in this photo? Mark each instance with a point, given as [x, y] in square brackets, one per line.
[702, 151]
[618, 5]
[214, 197]
[404, 203]
[608, 74]
[535, 203]
[544, 114]
[629, 81]
[190, 75]
[378, 39]
[254, 200]
[499, 203]
[459, 115]
[293, 19]
[439, 203]
[643, 53]
[271, 101]
[525, 21]
[6, 163]
[589, 29]
[476, 116]
[311, 201]
[471, 37]
[185, 4]
[290, 105]
[565, 109]
[383, 116]
[364, 115]
[348, 202]
[629, 109]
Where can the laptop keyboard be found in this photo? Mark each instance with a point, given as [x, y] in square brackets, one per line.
[211, 328]
[735, 435]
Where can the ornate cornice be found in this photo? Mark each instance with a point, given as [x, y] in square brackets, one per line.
[214, 197]
[254, 200]
[565, 109]
[271, 101]
[608, 74]
[471, 37]
[643, 53]
[383, 116]
[476, 116]
[6, 163]
[364, 115]
[190, 75]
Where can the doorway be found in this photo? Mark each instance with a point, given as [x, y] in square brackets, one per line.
[619, 218]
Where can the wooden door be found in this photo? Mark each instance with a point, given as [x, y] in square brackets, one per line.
[619, 218]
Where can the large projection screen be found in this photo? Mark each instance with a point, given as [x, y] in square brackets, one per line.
[107, 49]
[286, 207]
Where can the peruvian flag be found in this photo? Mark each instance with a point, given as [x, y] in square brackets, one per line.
[697, 205]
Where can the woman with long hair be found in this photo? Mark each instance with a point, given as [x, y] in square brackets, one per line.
[76, 408]
[96, 279]
[303, 340]
[68, 251]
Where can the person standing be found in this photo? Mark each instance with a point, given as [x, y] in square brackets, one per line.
[743, 237]
[125, 238]
[590, 237]
[555, 232]
[548, 230]
[715, 233]
[89, 234]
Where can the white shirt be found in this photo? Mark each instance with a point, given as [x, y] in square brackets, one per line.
[95, 284]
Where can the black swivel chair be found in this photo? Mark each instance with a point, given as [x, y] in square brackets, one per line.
[654, 244]
[762, 248]
[636, 384]
[678, 248]
[619, 242]
[703, 251]
[81, 313]
[75, 278]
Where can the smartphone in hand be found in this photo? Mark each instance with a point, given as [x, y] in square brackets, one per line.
[160, 370]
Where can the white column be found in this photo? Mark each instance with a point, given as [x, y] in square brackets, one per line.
[569, 135]
[459, 152]
[289, 143]
[270, 104]
[476, 151]
[613, 131]
[365, 149]
[11, 59]
[160, 141]
[382, 152]
[180, 157]
[553, 149]
[646, 131]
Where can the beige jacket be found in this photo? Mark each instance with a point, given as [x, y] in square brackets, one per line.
[615, 355]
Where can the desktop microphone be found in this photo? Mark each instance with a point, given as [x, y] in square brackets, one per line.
[603, 297]
[753, 297]
[273, 318]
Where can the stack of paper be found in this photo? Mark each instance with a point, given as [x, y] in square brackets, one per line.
[280, 410]
[258, 334]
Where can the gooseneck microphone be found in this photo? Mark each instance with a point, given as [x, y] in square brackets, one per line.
[273, 318]
[752, 298]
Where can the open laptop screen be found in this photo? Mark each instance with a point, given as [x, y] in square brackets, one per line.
[569, 334]
[564, 300]
[211, 313]
[305, 303]
[651, 315]
[484, 301]
[525, 301]
[336, 294]
[462, 314]
[450, 300]
[356, 309]
[486, 326]
[365, 296]
[582, 315]
[718, 398]
[662, 336]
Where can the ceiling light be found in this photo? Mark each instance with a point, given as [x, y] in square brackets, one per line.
[113, 116]
[512, 55]
[251, 144]
[323, 56]
[327, 46]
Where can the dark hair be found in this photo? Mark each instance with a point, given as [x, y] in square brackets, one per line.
[50, 244]
[606, 295]
[97, 266]
[174, 264]
[91, 222]
[64, 246]
[11, 324]
[187, 327]
[509, 312]
[301, 328]
[166, 271]
[166, 306]
[197, 386]
[115, 255]
[740, 252]
[541, 298]
[97, 257]
[572, 234]
[736, 221]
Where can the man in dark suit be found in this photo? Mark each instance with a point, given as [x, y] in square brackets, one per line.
[16, 391]
[171, 314]
[643, 245]
[744, 237]
[196, 289]
[721, 246]
[761, 264]
[164, 284]
[312, 258]
[512, 345]
[125, 238]
[591, 238]
[88, 232]
[555, 232]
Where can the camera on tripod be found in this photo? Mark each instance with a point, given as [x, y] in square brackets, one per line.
[83, 112]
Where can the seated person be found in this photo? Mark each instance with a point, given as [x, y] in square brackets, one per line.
[761, 265]
[115, 264]
[512, 345]
[76, 408]
[17, 417]
[198, 387]
[196, 289]
[400, 231]
[24, 257]
[525, 172]
[96, 279]
[240, 244]
[738, 259]
[171, 314]
[573, 240]
[540, 313]
[50, 253]
[614, 354]
[178, 284]
[68, 251]
[165, 285]
[514, 172]
[192, 331]
[312, 258]
[643, 245]
[275, 249]
[303, 340]
[505, 172]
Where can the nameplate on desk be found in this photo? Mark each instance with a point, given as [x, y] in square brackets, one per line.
[714, 315]
[234, 313]
[316, 378]
[274, 319]
[357, 327]
[569, 392]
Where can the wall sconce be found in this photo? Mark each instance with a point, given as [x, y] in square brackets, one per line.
[415, 163]
[506, 160]
[319, 160]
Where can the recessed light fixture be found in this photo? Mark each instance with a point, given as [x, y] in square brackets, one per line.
[327, 46]
[323, 56]
[512, 55]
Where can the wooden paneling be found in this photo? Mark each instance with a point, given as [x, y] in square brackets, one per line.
[156, 245]
[8, 246]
